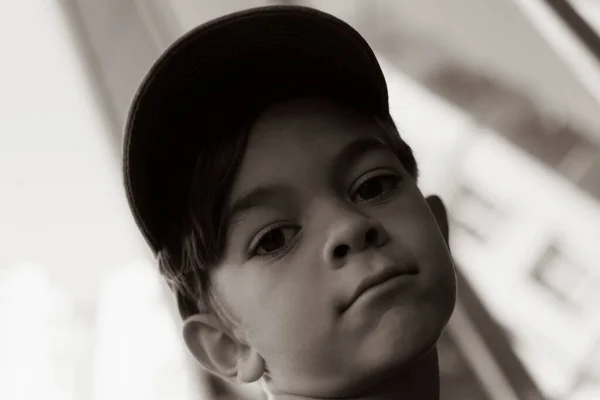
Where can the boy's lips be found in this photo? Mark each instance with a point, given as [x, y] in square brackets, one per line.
[378, 279]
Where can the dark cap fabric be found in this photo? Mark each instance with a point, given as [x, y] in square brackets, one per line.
[222, 73]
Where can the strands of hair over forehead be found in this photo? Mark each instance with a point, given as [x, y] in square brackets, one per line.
[187, 262]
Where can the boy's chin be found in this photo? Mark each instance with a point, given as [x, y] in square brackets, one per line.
[403, 333]
[397, 346]
[383, 375]
[399, 353]
[373, 367]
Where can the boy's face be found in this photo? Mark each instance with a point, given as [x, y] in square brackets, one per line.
[329, 215]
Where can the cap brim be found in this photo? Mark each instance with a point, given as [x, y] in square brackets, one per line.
[221, 71]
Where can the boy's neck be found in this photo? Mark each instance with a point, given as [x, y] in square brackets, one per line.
[421, 381]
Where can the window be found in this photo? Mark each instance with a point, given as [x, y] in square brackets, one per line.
[566, 281]
[475, 214]
[578, 163]
[591, 180]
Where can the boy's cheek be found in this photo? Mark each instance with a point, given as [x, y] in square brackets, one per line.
[417, 234]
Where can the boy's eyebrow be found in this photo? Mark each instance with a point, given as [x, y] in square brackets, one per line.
[353, 151]
[257, 197]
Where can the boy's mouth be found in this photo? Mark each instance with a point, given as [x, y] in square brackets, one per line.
[377, 281]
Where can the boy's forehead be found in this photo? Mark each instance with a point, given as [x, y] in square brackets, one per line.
[310, 133]
[312, 118]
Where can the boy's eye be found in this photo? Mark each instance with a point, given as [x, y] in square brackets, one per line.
[274, 240]
[376, 188]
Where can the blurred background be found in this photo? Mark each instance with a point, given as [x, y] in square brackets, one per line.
[499, 98]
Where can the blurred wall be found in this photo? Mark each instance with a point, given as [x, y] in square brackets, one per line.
[119, 46]
[64, 224]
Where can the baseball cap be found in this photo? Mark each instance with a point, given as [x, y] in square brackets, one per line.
[220, 74]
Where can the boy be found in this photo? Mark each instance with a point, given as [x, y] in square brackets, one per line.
[266, 174]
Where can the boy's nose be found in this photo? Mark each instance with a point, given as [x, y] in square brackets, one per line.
[352, 235]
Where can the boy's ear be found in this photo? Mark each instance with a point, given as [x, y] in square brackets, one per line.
[219, 352]
[441, 216]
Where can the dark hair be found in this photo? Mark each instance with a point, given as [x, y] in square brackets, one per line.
[187, 261]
